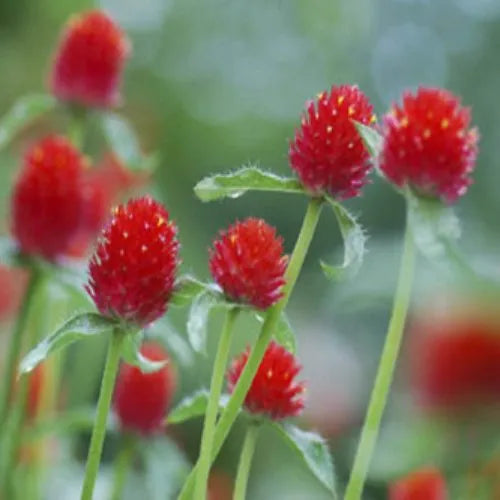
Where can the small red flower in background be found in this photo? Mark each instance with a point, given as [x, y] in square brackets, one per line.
[35, 388]
[327, 152]
[220, 486]
[12, 285]
[274, 391]
[428, 144]
[426, 483]
[47, 200]
[132, 271]
[89, 61]
[247, 262]
[455, 361]
[141, 400]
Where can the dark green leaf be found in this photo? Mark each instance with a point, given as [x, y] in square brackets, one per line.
[371, 138]
[239, 182]
[198, 319]
[132, 355]
[283, 333]
[186, 289]
[193, 406]
[354, 244]
[77, 328]
[312, 449]
[23, 112]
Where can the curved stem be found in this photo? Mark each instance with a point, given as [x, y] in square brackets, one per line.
[385, 371]
[246, 461]
[122, 466]
[272, 317]
[216, 384]
[105, 395]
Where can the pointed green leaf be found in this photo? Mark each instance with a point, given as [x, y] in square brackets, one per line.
[132, 355]
[197, 321]
[77, 328]
[371, 138]
[312, 449]
[186, 288]
[245, 179]
[190, 407]
[283, 333]
[24, 111]
[354, 244]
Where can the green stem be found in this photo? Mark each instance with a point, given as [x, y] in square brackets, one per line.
[77, 126]
[216, 384]
[105, 395]
[272, 317]
[16, 344]
[385, 371]
[246, 461]
[122, 466]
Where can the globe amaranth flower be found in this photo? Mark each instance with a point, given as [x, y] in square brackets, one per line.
[89, 61]
[429, 145]
[327, 152]
[274, 391]
[132, 272]
[47, 200]
[141, 400]
[426, 483]
[247, 262]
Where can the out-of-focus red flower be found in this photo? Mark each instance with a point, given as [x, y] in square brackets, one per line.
[327, 152]
[132, 272]
[89, 61]
[247, 262]
[428, 144]
[141, 400]
[220, 486]
[47, 202]
[274, 391]
[426, 483]
[12, 286]
[35, 388]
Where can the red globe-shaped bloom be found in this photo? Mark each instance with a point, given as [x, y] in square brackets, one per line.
[132, 271]
[47, 200]
[89, 61]
[274, 391]
[423, 484]
[247, 262]
[141, 400]
[428, 144]
[327, 152]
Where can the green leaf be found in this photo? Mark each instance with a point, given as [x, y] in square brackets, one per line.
[77, 328]
[312, 449]
[198, 319]
[186, 288]
[435, 226]
[354, 244]
[9, 254]
[371, 138]
[132, 355]
[23, 112]
[283, 334]
[245, 179]
[193, 406]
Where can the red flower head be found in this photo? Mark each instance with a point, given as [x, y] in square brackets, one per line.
[423, 484]
[141, 400]
[327, 152]
[47, 200]
[456, 362]
[273, 391]
[248, 263]
[132, 271]
[89, 61]
[220, 486]
[428, 144]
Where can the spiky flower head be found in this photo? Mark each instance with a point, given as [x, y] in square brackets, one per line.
[274, 391]
[47, 199]
[89, 61]
[429, 145]
[327, 152]
[247, 262]
[132, 272]
[141, 400]
[426, 483]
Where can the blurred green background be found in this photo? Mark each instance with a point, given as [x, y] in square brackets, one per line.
[216, 84]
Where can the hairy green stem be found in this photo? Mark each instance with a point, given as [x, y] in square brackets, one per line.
[385, 371]
[204, 461]
[246, 456]
[271, 320]
[122, 466]
[105, 395]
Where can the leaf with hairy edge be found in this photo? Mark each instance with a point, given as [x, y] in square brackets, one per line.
[198, 319]
[371, 138]
[312, 449]
[283, 333]
[193, 406]
[24, 111]
[186, 288]
[245, 179]
[354, 244]
[77, 328]
[131, 354]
